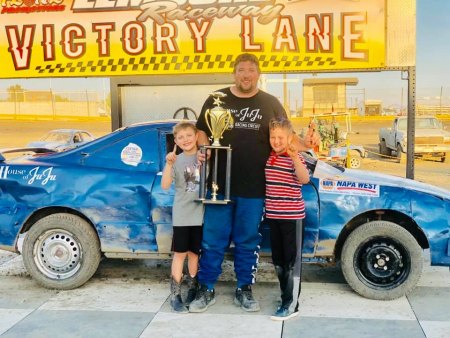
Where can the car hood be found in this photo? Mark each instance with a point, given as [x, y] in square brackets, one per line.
[431, 132]
[395, 181]
[325, 171]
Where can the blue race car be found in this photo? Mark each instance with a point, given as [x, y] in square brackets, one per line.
[105, 198]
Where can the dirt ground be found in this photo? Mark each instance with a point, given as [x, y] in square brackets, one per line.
[17, 133]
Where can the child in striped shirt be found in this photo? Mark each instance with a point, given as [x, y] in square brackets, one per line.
[284, 209]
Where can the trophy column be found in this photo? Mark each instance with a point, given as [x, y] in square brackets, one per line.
[214, 186]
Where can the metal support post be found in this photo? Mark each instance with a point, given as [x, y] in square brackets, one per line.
[411, 122]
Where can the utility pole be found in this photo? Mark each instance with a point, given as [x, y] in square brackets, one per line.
[401, 103]
[285, 95]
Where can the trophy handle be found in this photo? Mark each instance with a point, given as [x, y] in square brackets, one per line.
[207, 114]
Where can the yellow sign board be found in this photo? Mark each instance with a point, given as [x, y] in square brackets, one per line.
[73, 38]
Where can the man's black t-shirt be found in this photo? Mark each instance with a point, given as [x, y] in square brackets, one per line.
[249, 139]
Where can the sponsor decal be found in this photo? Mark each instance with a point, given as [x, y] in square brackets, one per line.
[6, 171]
[349, 187]
[131, 154]
[38, 174]
[31, 6]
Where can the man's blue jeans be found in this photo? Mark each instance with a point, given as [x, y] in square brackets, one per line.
[236, 222]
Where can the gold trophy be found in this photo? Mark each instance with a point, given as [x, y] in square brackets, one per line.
[218, 120]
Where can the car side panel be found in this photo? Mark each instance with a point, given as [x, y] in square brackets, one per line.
[431, 214]
[342, 201]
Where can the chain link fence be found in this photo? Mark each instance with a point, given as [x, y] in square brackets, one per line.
[53, 104]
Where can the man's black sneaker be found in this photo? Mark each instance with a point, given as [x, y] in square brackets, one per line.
[244, 299]
[203, 299]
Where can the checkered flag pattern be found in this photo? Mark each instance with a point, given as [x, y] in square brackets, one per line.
[177, 63]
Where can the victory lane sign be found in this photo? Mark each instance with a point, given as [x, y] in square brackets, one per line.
[90, 30]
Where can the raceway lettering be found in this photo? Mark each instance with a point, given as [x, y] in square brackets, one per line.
[163, 10]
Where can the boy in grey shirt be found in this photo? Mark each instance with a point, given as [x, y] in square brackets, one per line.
[187, 216]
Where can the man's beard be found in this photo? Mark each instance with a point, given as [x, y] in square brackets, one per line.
[250, 89]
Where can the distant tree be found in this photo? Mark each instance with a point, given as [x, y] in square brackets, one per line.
[16, 93]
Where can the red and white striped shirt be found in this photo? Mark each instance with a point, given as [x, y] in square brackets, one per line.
[284, 198]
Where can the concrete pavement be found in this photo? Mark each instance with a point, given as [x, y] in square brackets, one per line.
[129, 299]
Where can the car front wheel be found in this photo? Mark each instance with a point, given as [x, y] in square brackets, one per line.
[61, 251]
[381, 260]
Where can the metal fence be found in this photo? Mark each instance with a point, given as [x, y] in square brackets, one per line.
[17, 103]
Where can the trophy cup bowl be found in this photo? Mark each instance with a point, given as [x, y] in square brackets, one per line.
[218, 119]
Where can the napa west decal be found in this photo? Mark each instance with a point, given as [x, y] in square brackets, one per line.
[349, 188]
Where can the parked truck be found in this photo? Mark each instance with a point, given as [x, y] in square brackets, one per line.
[431, 138]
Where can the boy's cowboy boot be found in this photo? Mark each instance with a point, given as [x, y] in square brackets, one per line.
[192, 284]
[176, 302]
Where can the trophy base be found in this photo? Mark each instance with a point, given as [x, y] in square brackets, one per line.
[209, 201]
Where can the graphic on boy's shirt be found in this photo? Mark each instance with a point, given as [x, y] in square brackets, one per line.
[192, 177]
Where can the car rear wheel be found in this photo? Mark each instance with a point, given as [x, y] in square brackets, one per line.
[61, 251]
[384, 150]
[381, 260]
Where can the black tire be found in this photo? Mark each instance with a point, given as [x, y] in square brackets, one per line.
[381, 260]
[384, 150]
[61, 251]
[445, 157]
[400, 155]
[186, 112]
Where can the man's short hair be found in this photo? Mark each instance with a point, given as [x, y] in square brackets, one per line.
[246, 57]
[182, 126]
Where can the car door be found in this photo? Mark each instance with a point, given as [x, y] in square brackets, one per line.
[162, 200]
[128, 167]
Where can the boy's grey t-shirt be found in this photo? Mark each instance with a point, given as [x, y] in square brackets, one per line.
[186, 175]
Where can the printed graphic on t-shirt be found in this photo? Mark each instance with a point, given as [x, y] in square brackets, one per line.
[247, 118]
[192, 177]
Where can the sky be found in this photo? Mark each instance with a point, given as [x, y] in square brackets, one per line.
[432, 69]
[432, 65]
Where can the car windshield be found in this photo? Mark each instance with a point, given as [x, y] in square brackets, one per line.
[320, 169]
[326, 171]
[56, 137]
[421, 123]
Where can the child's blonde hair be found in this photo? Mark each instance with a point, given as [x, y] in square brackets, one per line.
[182, 126]
[281, 122]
